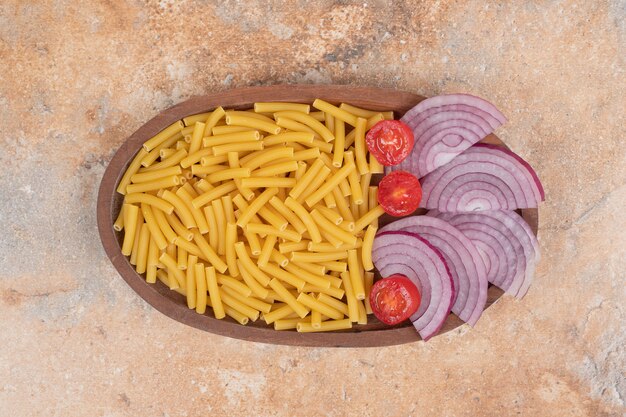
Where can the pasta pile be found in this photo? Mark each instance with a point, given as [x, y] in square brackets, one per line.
[264, 213]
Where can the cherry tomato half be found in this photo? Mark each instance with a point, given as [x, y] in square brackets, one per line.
[399, 193]
[394, 299]
[390, 141]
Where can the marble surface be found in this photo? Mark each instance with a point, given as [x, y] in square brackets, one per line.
[78, 77]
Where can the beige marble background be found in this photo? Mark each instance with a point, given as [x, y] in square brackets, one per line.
[76, 78]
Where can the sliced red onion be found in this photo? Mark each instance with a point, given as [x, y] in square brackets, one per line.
[484, 177]
[444, 126]
[413, 256]
[506, 241]
[465, 262]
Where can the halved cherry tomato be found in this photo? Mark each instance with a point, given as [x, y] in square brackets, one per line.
[394, 299]
[399, 193]
[390, 141]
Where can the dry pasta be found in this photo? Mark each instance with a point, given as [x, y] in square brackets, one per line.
[297, 249]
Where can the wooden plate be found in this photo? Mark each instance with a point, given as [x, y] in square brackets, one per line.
[173, 304]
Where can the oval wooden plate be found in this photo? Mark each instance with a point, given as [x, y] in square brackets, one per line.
[173, 304]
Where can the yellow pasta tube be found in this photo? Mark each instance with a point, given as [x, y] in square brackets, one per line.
[163, 135]
[210, 283]
[324, 224]
[306, 179]
[315, 269]
[233, 302]
[153, 226]
[213, 228]
[334, 303]
[355, 275]
[365, 183]
[156, 175]
[273, 107]
[283, 275]
[231, 256]
[181, 258]
[242, 205]
[306, 276]
[253, 243]
[130, 171]
[369, 281]
[353, 308]
[306, 155]
[190, 279]
[252, 302]
[279, 258]
[268, 182]
[362, 312]
[268, 155]
[252, 122]
[189, 247]
[169, 162]
[315, 305]
[203, 171]
[229, 212]
[344, 172]
[196, 157]
[335, 111]
[329, 122]
[237, 137]
[360, 151]
[191, 120]
[366, 251]
[335, 266]
[238, 147]
[142, 249]
[292, 125]
[157, 152]
[157, 184]
[368, 218]
[233, 162]
[212, 160]
[325, 326]
[316, 318]
[212, 120]
[179, 228]
[201, 287]
[256, 204]
[305, 217]
[167, 152]
[375, 166]
[320, 116]
[133, 252]
[251, 282]
[222, 130]
[288, 298]
[289, 215]
[220, 218]
[253, 269]
[358, 112]
[228, 174]
[287, 234]
[196, 213]
[328, 247]
[211, 195]
[309, 121]
[287, 247]
[208, 252]
[317, 257]
[288, 137]
[300, 169]
[275, 169]
[118, 225]
[153, 254]
[342, 206]
[234, 284]
[164, 225]
[172, 268]
[329, 214]
[353, 179]
[149, 199]
[278, 314]
[315, 184]
[196, 137]
[266, 251]
[286, 324]
[332, 291]
[180, 208]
